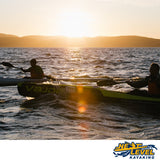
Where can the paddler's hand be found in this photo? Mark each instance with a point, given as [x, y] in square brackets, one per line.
[132, 83]
[129, 82]
[50, 77]
[22, 69]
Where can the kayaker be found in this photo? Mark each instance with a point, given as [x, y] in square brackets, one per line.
[153, 81]
[35, 70]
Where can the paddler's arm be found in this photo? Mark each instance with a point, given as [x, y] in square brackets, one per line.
[26, 70]
[138, 84]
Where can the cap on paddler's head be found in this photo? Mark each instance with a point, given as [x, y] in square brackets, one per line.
[33, 61]
[155, 66]
[154, 69]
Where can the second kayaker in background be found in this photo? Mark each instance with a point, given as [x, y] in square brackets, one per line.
[153, 81]
[35, 70]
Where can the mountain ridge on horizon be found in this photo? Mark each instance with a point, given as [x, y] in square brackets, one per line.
[9, 40]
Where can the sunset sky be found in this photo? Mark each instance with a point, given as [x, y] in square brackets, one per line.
[80, 17]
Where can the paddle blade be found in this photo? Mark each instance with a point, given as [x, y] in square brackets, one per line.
[50, 77]
[108, 82]
[7, 64]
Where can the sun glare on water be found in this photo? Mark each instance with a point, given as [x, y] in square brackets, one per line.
[74, 24]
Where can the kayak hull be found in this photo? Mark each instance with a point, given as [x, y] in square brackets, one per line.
[80, 93]
[73, 92]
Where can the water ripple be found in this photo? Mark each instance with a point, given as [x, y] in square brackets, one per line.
[49, 117]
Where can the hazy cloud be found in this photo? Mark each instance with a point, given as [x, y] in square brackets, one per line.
[141, 3]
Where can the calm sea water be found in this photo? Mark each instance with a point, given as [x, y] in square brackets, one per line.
[53, 118]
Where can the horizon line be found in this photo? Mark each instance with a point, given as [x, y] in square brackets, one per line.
[21, 36]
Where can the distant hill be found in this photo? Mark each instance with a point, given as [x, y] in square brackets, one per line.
[60, 41]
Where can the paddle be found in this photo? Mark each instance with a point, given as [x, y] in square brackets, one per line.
[135, 81]
[7, 64]
[100, 81]
[108, 82]
[78, 79]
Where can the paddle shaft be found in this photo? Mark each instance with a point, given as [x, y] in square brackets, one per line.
[100, 81]
[7, 64]
[109, 82]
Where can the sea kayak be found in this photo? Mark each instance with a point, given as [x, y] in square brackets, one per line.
[15, 81]
[76, 92]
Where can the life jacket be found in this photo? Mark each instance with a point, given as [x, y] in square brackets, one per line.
[37, 72]
[153, 88]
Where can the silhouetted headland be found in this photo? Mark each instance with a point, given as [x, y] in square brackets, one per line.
[61, 41]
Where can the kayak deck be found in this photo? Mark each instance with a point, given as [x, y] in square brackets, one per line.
[15, 81]
[75, 92]
[126, 96]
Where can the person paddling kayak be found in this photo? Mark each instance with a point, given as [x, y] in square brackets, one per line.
[153, 81]
[35, 70]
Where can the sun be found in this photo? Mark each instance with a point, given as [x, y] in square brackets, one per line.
[74, 24]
